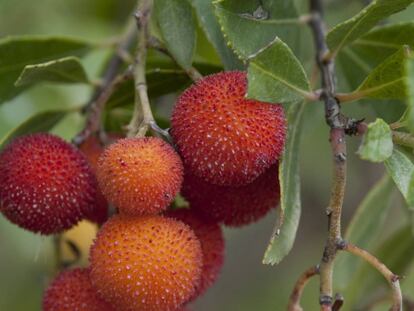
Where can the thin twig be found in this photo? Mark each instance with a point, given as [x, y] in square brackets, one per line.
[98, 100]
[93, 123]
[294, 301]
[142, 118]
[155, 44]
[391, 278]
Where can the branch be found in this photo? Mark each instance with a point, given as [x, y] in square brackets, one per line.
[109, 83]
[294, 301]
[338, 124]
[142, 118]
[391, 278]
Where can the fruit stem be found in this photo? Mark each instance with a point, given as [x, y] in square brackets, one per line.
[111, 80]
[391, 278]
[142, 118]
[294, 300]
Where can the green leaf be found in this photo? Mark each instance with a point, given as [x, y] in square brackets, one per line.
[287, 224]
[360, 57]
[401, 169]
[63, 70]
[397, 253]
[388, 80]
[41, 122]
[410, 96]
[364, 227]
[249, 26]
[276, 75]
[377, 143]
[177, 25]
[211, 27]
[18, 52]
[352, 29]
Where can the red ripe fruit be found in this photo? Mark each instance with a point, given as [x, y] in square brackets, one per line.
[212, 245]
[72, 290]
[140, 176]
[149, 263]
[223, 137]
[92, 149]
[46, 184]
[234, 206]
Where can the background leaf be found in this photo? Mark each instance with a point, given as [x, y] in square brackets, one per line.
[210, 25]
[358, 59]
[250, 26]
[177, 26]
[275, 75]
[388, 80]
[287, 224]
[353, 28]
[41, 122]
[17, 52]
[401, 169]
[64, 70]
[377, 143]
[363, 230]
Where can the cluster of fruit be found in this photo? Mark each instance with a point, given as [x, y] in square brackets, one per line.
[147, 256]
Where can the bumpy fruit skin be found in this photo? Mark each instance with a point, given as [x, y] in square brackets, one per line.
[92, 149]
[212, 244]
[234, 206]
[223, 137]
[140, 176]
[72, 291]
[149, 263]
[46, 184]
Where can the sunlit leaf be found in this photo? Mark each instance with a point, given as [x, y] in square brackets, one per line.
[387, 80]
[377, 143]
[276, 75]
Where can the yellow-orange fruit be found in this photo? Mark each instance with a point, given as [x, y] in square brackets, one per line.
[72, 291]
[140, 176]
[223, 137]
[149, 263]
[212, 244]
[46, 184]
[234, 206]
